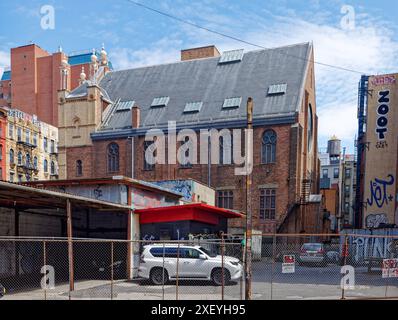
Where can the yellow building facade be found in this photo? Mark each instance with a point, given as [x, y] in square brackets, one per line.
[31, 148]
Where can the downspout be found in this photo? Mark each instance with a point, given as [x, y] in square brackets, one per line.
[208, 161]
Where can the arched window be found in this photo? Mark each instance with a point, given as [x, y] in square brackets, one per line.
[149, 159]
[27, 160]
[19, 158]
[113, 157]
[225, 151]
[52, 167]
[12, 156]
[310, 127]
[79, 168]
[268, 148]
[35, 162]
[45, 165]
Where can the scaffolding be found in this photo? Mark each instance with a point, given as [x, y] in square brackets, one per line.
[360, 146]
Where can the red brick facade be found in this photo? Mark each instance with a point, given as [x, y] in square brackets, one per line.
[35, 81]
[293, 175]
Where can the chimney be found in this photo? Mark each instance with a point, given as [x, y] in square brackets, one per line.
[199, 53]
[135, 116]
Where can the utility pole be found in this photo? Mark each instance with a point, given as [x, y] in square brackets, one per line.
[249, 217]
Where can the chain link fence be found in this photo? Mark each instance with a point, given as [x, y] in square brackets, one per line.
[284, 266]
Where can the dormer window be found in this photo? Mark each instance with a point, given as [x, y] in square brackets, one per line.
[277, 89]
[231, 56]
[230, 103]
[191, 107]
[160, 102]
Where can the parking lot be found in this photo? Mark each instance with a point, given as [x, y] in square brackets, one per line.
[268, 282]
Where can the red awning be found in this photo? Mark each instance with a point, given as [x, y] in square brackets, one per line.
[196, 212]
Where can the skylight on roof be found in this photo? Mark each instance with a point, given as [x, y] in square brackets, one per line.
[193, 107]
[277, 88]
[231, 56]
[160, 102]
[232, 103]
[124, 106]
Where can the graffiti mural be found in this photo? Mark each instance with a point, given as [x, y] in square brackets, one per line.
[363, 246]
[378, 191]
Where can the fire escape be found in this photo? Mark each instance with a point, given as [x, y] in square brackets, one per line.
[361, 146]
[25, 163]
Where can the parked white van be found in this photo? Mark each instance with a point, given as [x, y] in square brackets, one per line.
[194, 263]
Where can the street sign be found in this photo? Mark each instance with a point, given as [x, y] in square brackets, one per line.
[390, 268]
[288, 264]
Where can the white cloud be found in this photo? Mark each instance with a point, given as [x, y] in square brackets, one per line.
[163, 51]
[337, 119]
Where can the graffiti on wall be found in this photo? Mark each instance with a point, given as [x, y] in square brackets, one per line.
[183, 187]
[378, 191]
[363, 246]
[374, 220]
[382, 114]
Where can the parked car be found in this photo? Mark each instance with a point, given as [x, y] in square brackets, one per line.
[194, 263]
[312, 253]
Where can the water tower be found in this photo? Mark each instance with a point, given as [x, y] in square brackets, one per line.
[334, 149]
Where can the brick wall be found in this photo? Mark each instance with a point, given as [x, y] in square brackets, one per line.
[223, 176]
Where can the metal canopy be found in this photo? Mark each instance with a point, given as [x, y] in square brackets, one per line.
[14, 195]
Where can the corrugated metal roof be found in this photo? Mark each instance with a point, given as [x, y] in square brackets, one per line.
[210, 82]
[6, 75]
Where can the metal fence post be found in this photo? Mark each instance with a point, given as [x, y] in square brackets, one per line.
[112, 275]
[163, 271]
[178, 261]
[273, 262]
[222, 266]
[345, 254]
[44, 264]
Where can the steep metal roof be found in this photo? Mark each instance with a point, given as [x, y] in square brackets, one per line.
[6, 75]
[81, 91]
[211, 82]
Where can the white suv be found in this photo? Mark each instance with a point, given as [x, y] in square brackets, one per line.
[194, 263]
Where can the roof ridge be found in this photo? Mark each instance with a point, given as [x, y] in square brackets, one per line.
[207, 58]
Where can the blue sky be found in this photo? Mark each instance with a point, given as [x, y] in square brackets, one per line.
[134, 37]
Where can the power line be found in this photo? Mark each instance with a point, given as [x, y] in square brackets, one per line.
[238, 39]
